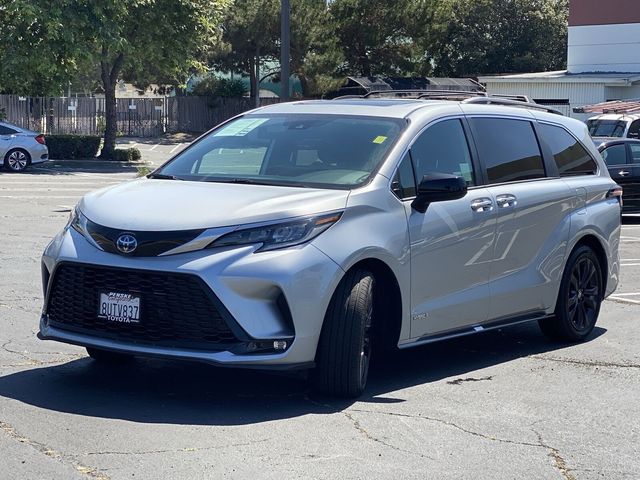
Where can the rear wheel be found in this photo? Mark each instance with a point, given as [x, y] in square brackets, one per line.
[17, 160]
[344, 350]
[579, 299]
[106, 356]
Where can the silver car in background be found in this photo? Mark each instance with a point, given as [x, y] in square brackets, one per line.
[309, 234]
[20, 147]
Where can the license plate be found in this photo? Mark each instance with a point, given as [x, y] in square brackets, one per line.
[119, 307]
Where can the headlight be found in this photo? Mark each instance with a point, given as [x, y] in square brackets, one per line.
[279, 235]
[80, 224]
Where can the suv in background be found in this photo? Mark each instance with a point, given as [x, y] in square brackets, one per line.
[622, 156]
[614, 125]
[309, 234]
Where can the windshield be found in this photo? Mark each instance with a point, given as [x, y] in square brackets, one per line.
[606, 128]
[305, 150]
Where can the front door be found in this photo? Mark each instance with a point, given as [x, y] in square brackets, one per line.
[452, 242]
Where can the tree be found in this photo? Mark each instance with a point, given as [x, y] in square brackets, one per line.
[374, 36]
[471, 37]
[250, 30]
[143, 41]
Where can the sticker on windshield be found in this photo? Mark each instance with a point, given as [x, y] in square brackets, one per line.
[240, 127]
[379, 139]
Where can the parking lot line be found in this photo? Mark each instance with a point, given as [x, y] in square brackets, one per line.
[176, 147]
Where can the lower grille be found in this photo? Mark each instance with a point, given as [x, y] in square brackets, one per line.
[177, 310]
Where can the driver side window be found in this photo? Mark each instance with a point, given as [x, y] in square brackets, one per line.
[443, 148]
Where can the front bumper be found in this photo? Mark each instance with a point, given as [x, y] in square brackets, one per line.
[249, 285]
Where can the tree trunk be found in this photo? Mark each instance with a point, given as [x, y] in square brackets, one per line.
[252, 79]
[109, 76]
[111, 120]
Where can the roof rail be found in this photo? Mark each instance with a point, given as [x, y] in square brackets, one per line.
[510, 103]
[416, 94]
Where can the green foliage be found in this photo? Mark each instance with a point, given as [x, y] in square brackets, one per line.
[71, 147]
[125, 155]
[471, 37]
[219, 87]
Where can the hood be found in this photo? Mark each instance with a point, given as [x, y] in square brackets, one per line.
[166, 205]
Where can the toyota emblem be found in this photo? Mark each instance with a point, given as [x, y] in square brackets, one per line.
[126, 243]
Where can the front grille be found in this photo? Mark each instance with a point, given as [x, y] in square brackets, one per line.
[176, 309]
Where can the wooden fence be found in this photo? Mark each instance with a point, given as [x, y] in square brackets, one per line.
[137, 117]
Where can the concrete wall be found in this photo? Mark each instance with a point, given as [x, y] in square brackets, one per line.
[604, 48]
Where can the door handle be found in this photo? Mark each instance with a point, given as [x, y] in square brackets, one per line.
[482, 205]
[623, 173]
[507, 200]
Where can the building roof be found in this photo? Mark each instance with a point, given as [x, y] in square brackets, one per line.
[562, 76]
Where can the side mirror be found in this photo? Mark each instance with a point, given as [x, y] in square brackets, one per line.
[438, 187]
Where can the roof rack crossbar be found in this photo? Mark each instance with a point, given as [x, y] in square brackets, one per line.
[510, 103]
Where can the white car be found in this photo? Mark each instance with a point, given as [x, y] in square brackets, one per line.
[615, 125]
[20, 147]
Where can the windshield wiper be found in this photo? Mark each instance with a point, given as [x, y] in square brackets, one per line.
[162, 176]
[249, 181]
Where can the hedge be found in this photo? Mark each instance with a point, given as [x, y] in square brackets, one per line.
[69, 147]
[126, 155]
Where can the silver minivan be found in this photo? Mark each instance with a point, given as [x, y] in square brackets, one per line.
[311, 234]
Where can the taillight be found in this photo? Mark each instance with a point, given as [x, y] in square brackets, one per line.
[40, 139]
[617, 193]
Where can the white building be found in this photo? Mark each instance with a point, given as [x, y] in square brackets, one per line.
[603, 60]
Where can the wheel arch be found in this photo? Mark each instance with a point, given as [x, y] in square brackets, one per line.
[17, 149]
[595, 244]
[387, 321]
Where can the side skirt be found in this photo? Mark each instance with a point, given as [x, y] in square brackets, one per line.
[470, 330]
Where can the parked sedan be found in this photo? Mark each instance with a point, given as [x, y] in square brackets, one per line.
[622, 156]
[20, 147]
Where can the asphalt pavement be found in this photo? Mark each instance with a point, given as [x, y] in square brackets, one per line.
[506, 404]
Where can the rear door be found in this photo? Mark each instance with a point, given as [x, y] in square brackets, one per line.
[452, 242]
[631, 190]
[532, 205]
[616, 156]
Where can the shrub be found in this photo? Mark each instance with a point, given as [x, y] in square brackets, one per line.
[125, 154]
[70, 147]
[220, 87]
[135, 154]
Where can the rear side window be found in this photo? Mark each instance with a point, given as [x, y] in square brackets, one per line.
[6, 131]
[615, 155]
[509, 149]
[635, 153]
[634, 129]
[571, 157]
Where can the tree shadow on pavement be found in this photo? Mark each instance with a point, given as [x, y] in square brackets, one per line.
[159, 391]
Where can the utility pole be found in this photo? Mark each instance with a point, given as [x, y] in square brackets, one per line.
[285, 10]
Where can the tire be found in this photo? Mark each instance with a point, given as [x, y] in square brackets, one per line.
[579, 298]
[17, 160]
[344, 350]
[106, 356]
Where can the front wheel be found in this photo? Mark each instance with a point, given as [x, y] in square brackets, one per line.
[344, 350]
[579, 299]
